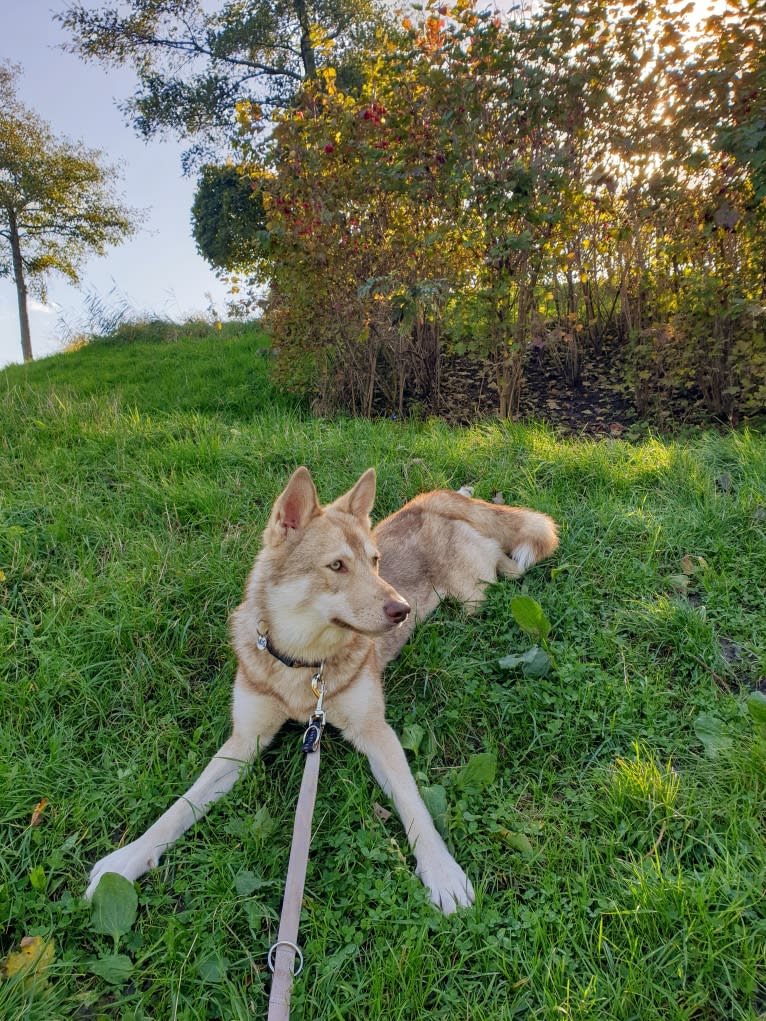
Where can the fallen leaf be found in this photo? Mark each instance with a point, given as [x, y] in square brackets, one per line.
[38, 812]
[382, 813]
[31, 961]
[687, 565]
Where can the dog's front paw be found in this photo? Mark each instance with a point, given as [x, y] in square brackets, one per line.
[448, 886]
[130, 861]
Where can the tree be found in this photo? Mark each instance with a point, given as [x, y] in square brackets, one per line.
[195, 64]
[227, 218]
[56, 205]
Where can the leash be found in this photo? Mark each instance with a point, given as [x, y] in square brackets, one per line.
[281, 956]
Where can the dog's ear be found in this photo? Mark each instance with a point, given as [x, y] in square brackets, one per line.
[296, 506]
[360, 498]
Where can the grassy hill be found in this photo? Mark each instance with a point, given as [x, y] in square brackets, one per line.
[614, 831]
[222, 373]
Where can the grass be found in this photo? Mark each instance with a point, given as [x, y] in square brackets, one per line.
[620, 867]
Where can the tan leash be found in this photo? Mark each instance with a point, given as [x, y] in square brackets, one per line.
[281, 957]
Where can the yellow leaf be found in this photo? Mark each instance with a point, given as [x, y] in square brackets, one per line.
[2, 575]
[38, 811]
[31, 961]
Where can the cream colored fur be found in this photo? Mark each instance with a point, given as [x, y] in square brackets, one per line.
[327, 587]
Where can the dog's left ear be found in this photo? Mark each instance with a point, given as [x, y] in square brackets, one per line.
[359, 499]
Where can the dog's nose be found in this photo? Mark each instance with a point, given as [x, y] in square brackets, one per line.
[396, 610]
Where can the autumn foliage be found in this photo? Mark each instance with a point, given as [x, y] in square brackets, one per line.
[585, 183]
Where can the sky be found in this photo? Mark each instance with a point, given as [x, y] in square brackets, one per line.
[158, 270]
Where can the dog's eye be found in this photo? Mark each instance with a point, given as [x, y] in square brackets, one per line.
[336, 565]
[376, 560]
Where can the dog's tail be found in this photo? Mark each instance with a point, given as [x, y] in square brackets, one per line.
[525, 535]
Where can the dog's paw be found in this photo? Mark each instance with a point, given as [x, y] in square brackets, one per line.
[130, 861]
[448, 886]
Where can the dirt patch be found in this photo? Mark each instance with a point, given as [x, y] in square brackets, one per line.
[600, 404]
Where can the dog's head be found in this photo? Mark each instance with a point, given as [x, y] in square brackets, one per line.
[324, 564]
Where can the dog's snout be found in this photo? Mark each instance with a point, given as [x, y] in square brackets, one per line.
[396, 610]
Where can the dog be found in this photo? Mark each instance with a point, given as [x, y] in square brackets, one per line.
[326, 588]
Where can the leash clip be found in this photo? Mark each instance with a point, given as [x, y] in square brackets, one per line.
[317, 686]
[313, 732]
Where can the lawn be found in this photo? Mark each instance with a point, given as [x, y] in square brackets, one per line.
[611, 814]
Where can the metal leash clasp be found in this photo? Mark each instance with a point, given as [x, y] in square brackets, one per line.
[313, 732]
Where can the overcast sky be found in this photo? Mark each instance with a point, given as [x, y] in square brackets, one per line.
[158, 270]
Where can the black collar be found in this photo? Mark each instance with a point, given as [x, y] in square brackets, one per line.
[264, 643]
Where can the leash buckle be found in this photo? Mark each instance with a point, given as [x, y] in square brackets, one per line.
[313, 732]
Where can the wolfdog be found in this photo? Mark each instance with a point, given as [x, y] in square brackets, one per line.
[326, 588]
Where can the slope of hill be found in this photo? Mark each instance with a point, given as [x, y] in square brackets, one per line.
[607, 799]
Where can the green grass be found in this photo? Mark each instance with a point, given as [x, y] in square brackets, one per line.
[620, 870]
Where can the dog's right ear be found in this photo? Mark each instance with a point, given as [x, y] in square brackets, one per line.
[297, 505]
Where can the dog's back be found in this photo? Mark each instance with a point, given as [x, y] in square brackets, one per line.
[446, 544]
